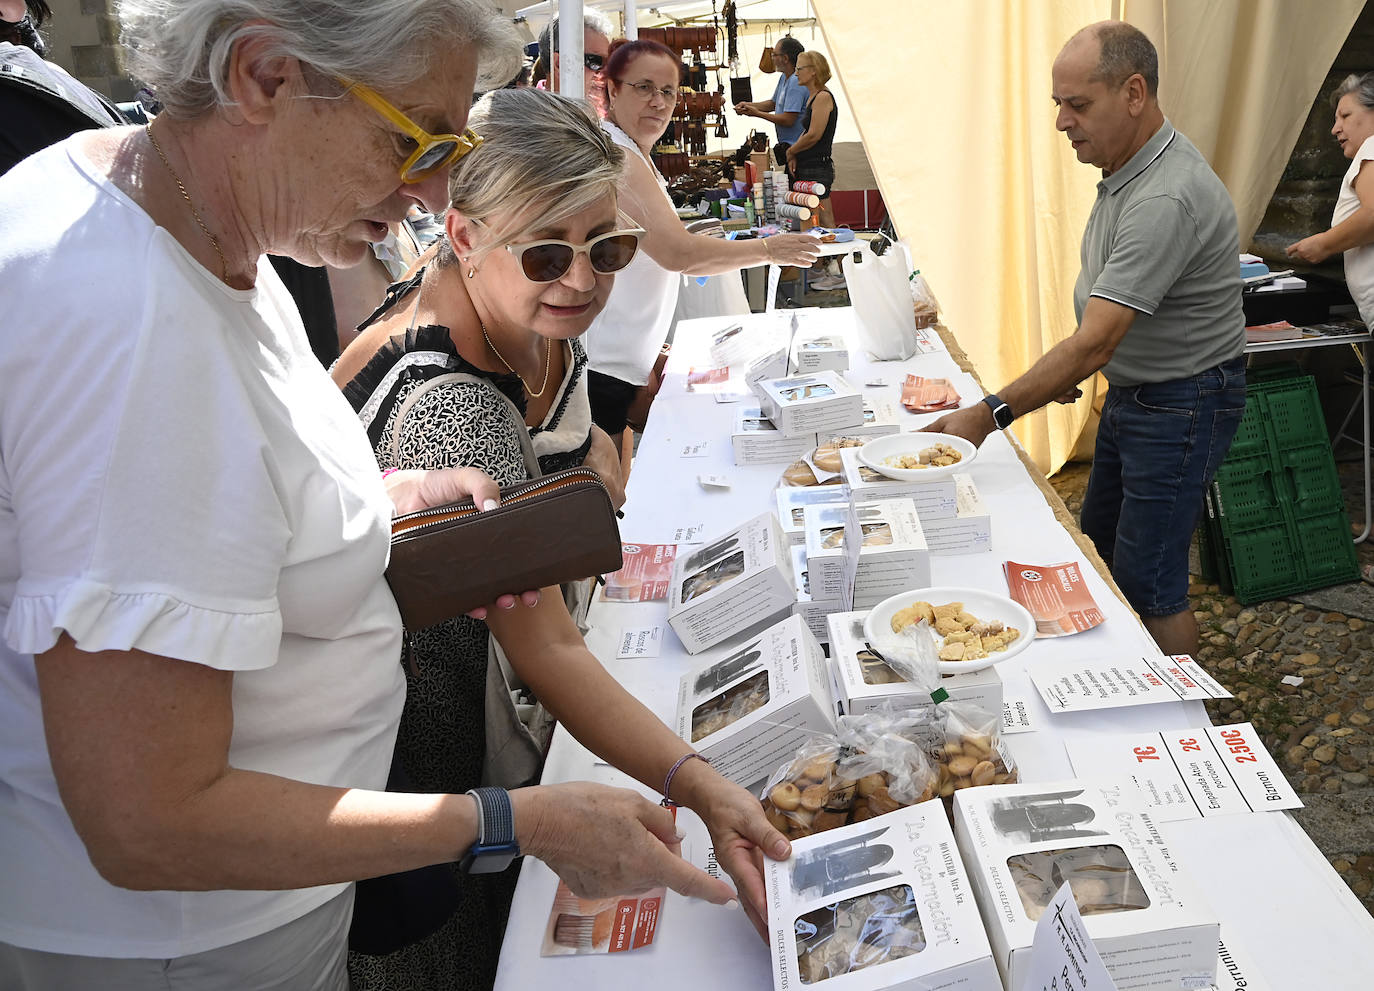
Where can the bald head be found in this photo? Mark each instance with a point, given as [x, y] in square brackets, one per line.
[1116, 51]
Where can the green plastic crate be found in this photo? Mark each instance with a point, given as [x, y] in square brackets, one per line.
[1307, 476]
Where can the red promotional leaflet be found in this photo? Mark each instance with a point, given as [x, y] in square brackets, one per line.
[1055, 595]
[581, 926]
[706, 376]
[645, 575]
[923, 395]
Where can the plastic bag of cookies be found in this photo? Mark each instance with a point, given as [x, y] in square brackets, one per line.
[971, 754]
[863, 772]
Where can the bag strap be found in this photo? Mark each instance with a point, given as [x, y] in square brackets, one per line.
[522, 431]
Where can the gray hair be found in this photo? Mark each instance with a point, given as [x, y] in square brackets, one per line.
[1361, 85]
[1125, 52]
[592, 20]
[180, 49]
[541, 154]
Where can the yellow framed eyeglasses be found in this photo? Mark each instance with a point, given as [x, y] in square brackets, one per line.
[433, 152]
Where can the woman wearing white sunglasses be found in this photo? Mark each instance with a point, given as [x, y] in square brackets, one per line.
[534, 241]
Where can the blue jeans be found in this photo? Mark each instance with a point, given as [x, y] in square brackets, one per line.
[1158, 447]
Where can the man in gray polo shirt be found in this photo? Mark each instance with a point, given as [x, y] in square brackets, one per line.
[1159, 313]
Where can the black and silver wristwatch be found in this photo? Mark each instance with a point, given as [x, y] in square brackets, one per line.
[1001, 412]
[495, 847]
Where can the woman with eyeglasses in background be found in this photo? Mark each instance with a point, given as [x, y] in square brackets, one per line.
[534, 244]
[624, 341]
[200, 672]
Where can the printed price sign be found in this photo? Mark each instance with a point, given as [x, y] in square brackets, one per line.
[640, 641]
[1063, 957]
[1101, 683]
[1016, 717]
[696, 449]
[1190, 774]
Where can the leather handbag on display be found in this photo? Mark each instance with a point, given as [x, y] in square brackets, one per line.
[766, 59]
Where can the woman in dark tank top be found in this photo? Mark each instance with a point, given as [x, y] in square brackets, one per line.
[809, 157]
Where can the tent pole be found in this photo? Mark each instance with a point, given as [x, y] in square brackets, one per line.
[570, 50]
[631, 20]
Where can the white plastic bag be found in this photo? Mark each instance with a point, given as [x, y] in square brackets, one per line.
[881, 294]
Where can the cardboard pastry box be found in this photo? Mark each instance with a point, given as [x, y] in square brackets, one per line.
[936, 499]
[732, 582]
[883, 903]
[1147, 920]
[792, 502]
[757, 441]
[811, 404]
[755, 704]
[886, 552]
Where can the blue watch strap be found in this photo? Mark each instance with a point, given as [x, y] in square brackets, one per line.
[496, 822]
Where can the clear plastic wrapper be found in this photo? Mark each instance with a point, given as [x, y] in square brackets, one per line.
[1101, 878]
[867, 769]
[858, 932]
[910, 652]
[825, 457]
[719, 711]
[923, 302]
[971, 755]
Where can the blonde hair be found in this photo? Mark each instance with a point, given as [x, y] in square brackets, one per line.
[541, 155]
[818, 65]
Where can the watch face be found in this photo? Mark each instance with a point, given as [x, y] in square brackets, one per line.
[489, 859]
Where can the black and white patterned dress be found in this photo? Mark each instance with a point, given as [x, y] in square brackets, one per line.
[441, 742]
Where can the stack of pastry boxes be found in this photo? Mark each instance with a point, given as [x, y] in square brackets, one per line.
[819, 353]
[864, 682]
[753, 705]
[1022, 842]
[821, 403]
[953, 514]
[863, 552]
[883, 903]
[757, 441]
[732, 582]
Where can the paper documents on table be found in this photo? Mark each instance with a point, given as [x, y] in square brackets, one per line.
[1063, 956]
[923, 395]
[645, 575]
[1055, 595]
[1189, 773]
[1109, 682]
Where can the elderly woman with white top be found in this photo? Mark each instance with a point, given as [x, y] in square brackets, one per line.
[200, 677]
[1352, 222]
[624, 341]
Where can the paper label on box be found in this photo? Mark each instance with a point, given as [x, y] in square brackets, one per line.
[696, 449]
[1102, 683]
[640, 641]
[689, 534]
[928, 342]
[1055, 595]
[1063, 957]
[645, 575]
[1016, 717]
[1190, 774]
[1235, 971]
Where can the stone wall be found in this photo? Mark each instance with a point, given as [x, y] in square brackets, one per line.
[83, 38]
[1306, 193]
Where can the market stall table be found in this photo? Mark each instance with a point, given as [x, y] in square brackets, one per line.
[1287, 919]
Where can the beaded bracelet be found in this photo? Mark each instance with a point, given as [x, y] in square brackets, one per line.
[389, 471]
[667, 802]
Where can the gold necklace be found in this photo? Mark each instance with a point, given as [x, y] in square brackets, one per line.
[548, 363]
[223, 264]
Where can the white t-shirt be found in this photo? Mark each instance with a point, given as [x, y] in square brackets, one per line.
[179, 475]
[1359, 262]
[625, 338]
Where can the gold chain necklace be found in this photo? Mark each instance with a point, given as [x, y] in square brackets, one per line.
[223, 264]
[548, 363]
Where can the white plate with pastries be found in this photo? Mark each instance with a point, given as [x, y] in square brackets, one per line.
[917, 456]
[994, 616]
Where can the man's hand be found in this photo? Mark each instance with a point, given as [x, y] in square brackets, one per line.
[1312, 250]
[1069, 398]
[973, 423]
[745, 109]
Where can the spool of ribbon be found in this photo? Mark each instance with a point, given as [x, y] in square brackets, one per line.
[793, 211]
[806, 186]
[803, 199]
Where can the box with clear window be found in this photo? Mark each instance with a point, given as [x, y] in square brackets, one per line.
[752, 703]
[935, 499]
[821, 403]
[1022, 842]
[883, 903]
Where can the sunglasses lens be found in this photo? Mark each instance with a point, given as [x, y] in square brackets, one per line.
[546, 262]
[436, 156]
[614, 253]
[594, 62]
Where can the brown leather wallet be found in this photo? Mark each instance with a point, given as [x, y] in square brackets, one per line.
[449, 560]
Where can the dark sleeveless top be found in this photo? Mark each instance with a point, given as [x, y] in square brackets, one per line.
[820, 151]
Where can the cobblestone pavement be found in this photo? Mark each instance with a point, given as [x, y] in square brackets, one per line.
[1321, 730]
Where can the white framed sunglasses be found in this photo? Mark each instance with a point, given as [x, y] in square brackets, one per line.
[549, 260]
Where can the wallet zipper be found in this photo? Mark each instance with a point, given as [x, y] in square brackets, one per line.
[429, 517]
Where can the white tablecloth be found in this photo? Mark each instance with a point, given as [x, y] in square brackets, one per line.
[1280, 903]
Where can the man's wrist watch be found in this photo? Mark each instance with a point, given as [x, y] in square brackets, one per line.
[1001, 412]
[496, 846]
